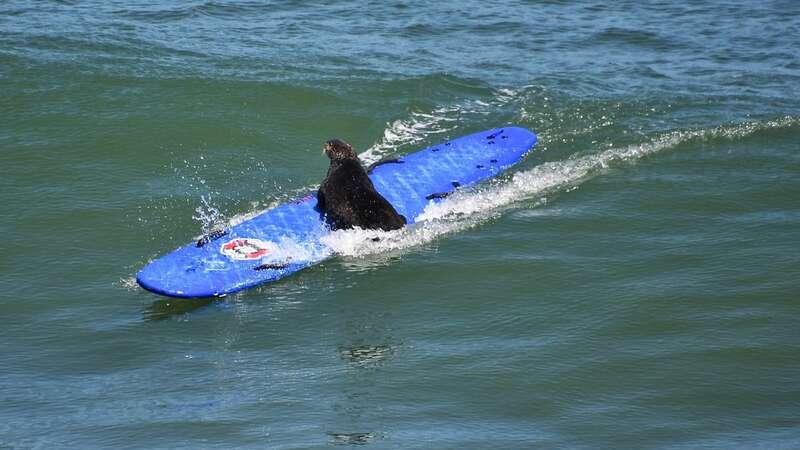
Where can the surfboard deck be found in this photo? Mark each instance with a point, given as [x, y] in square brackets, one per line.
[286, 239]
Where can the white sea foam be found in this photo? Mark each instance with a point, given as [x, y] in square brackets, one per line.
[289, 250]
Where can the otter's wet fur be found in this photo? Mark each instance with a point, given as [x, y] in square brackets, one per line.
[347, 196]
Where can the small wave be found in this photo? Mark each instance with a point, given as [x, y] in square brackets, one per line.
[639, 38]
[553, 175]
[232, 10]
[469, 208]
[150, 15]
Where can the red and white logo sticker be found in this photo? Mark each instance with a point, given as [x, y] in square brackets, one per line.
[247, 248]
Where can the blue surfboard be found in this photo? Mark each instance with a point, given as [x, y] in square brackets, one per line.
[285, 239]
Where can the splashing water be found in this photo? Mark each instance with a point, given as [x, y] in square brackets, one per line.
[208, 215]
[128, 283]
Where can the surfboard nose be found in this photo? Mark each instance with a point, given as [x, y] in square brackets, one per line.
[163, 278]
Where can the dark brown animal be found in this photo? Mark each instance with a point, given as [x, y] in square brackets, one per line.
[347, 196]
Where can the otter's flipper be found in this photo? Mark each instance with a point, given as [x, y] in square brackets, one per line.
[387, 160]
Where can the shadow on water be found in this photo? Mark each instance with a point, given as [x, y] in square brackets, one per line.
[167, 308]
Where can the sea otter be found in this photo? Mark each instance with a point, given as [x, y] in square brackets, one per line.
[347, 197]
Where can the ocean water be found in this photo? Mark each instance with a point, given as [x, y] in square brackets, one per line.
[633, 284]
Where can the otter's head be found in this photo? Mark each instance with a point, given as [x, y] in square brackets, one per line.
[338, 149]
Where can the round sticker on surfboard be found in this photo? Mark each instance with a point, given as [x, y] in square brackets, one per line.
[247, 249]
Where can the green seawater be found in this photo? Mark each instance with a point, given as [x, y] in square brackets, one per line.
[633, 284]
